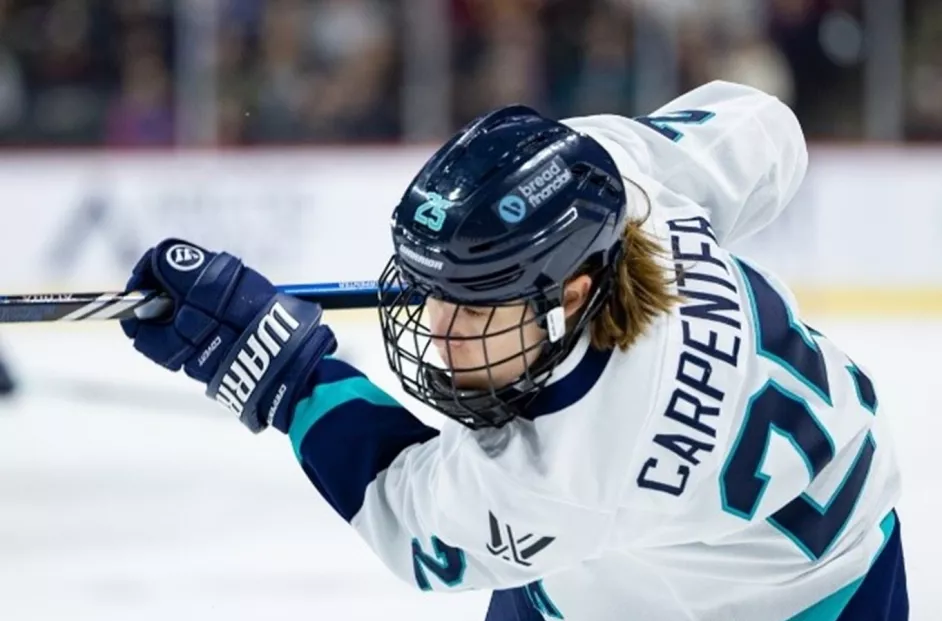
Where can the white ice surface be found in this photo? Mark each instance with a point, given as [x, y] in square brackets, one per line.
[126, 495]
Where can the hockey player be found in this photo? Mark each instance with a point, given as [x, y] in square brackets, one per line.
[639, 425]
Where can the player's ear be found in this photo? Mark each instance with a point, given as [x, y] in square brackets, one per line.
[576, 294]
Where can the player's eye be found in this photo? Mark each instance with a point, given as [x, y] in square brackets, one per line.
[472, 311]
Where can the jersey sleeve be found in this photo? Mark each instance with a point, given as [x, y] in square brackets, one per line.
[441, 513]
[732, 149]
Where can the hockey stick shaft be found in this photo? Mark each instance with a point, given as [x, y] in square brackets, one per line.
[46, 307]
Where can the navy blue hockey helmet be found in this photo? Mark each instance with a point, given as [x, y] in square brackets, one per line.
[504, 213]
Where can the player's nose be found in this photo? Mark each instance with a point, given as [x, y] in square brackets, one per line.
[441, 317]
[444, 328]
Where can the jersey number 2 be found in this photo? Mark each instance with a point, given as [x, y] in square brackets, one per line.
[664, 124]
[812, 526]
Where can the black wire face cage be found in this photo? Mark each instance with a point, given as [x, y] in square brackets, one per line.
[413, 353]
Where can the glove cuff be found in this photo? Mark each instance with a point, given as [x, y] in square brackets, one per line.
[284, 396]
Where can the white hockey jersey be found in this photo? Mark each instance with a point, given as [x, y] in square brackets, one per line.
[732, 465]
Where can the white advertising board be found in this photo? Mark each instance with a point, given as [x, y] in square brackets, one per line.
[865, 218]
[80, 222]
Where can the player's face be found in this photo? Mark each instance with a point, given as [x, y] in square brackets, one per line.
[484, 347]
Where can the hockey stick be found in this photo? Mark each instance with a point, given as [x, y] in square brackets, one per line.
[44, 307]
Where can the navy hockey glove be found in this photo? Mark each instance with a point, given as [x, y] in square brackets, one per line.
[230, 329]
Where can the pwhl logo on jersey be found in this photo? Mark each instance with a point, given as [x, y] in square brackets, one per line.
[513, 547]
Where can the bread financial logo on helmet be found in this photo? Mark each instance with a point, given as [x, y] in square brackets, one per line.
[545, 183]
[184, 257]
[512, 209]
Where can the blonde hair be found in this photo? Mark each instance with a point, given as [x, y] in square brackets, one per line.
[641, 290]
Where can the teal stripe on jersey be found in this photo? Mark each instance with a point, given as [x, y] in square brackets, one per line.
[327, 397]
[830, 608]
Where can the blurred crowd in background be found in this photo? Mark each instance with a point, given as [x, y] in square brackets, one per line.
[121, 73]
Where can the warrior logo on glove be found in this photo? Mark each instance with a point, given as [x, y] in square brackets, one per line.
[252, 362]
[229, 328]
[184, 257]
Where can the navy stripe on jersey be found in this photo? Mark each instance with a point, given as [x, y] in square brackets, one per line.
[330, 370]
[365, 431]
[572, 387]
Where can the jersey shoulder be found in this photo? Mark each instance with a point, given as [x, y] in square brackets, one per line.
[733, 150]
[717, 106]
